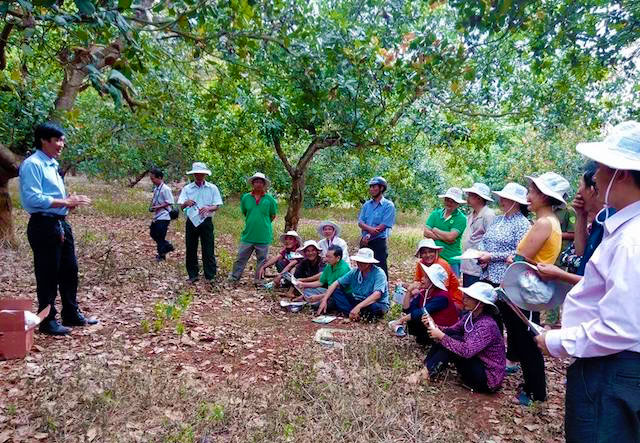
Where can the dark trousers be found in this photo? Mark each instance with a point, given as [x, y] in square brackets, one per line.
[204, 233]
[603, 399]
[521, 347]
[380, 252]
[55, 264]
[158, 232]
[471, 370]
[342, 302]
[468, 280]
[420, 331]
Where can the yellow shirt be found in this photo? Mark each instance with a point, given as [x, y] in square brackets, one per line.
[550, 249]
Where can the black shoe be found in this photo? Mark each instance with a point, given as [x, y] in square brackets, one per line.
[160, 258]
[79, 320]
[169, 248]
[52, 327]
[192, 280]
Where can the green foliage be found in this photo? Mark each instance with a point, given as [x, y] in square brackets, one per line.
[169, 313]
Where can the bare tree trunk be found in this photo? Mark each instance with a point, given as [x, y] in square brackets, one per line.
[296, 199]
[9, 164]
[137, 179]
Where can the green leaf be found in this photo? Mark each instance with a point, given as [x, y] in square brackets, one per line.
[85, 7]
[59, 20]
[124, 4]
[115, 94]
[118, 77]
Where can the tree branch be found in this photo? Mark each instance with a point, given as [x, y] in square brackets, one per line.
[8, 27]
[316, 145]
[285, 161]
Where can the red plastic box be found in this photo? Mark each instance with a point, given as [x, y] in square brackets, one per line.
[15, 341]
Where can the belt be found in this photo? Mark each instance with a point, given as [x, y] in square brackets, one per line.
[48, 215]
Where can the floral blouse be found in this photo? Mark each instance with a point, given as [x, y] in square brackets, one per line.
[500, 240]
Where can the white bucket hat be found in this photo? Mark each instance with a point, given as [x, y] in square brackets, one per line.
[436, 274]
[515, 192]
[426, 243]
[291, 234]
[480, 189]
[199, 168]
[524, 287]
[552, 184]
[261, 176]
[364, 255]
[322, 224]
[619, 150]
[310, 243]
[454, 194]
[482, 292]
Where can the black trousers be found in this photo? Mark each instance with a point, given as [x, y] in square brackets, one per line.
[522, 347]
[380, 252]
[158, 232]
[471, 370]
[419, 331]
[203, 233]
[55, 264]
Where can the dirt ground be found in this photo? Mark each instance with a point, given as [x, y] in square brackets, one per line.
[171, 361]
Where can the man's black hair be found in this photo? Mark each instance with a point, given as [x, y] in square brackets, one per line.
[636, 177]
[337, 250]
[46, 131]
[157, 172]
[589, 171]
[524, 209]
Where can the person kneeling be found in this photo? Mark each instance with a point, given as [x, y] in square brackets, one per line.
[433, 299]
[474, 344]
[369, 296]
[335, 268]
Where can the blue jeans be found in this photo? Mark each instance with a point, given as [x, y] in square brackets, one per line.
[344, 303]
[603, 399]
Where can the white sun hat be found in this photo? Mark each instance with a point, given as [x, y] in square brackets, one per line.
[426, 243]
[364, 255]
[436, 274]
[619, 150]
[524, 287]
[310, 243]
[291, 234]
[482, 292]
[553, 185]
[199, 168]
[480, 189]
[259, 175]
[324, 223]
[514, 192]
[454, 194]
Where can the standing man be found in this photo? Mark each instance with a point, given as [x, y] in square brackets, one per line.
[376, 219]
[601, 314]
[259, 210]
[43, 196]
[200, 200]
[160, 206]
[446, 226]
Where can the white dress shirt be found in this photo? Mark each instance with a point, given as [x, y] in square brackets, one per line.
[205, 195]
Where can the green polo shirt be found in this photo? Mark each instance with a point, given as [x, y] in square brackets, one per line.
[331, 273]
[458, 221]
[257, 225]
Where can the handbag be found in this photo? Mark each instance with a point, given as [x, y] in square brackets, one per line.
[174, 212]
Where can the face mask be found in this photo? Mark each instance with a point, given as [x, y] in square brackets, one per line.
[606, 195]
[470, 320]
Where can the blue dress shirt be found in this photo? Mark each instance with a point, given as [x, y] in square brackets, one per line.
[375, 213]
[362, 287]
[40, 183]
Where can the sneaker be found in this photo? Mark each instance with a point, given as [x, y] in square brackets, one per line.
[511, 369]
[397, 329]
[523, 399]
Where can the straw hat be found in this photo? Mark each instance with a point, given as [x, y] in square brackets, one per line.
[514, 192]
[552, 185]
[480, 189]
[524, 287]
[322, 224]
[454, 194]
[199, 168]
[364, 255]
[619, 150]
[260, 175]
[310, 243]
[436, 274]
[482, 292]
[291, 234]
[426, 243]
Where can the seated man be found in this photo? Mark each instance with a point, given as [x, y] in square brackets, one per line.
[369, 296]
[310, 268]
[286, 259]
[335, 268]
[429, 253]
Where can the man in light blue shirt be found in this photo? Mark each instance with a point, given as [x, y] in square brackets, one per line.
[44, 197]
[369, 295]
[200, 200]
[376, 219]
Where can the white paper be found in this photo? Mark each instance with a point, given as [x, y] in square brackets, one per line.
[324, 319]
[286, 303]
[193, 213]
[469, 254]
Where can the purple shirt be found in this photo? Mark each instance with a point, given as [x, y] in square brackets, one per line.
[484, 341]
[601, 314]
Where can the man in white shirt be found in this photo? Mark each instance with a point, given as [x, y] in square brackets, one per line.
[601, 314]
[200, 200]
[160, 206]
